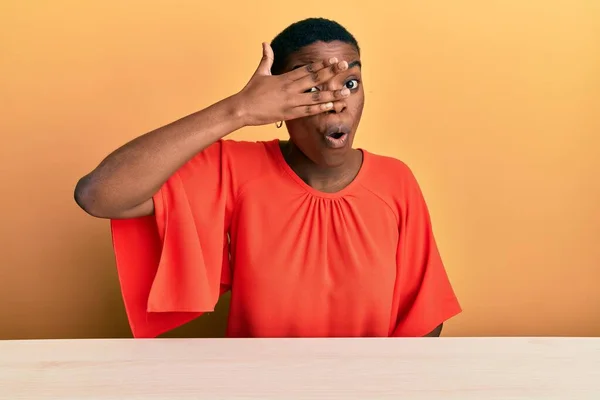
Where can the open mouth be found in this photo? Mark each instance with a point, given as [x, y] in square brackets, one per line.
[336, 137]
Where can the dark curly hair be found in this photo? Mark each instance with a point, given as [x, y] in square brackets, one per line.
[304, 33]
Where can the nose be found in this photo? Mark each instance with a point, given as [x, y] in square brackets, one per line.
[338, 107]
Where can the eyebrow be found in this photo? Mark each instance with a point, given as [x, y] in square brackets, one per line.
[350, 65]
[354, 64]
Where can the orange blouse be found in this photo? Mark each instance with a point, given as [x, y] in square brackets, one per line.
[299, 262]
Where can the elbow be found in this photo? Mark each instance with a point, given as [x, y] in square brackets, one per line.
[87, 198]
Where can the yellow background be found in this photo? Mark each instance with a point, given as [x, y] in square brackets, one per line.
[494, 104]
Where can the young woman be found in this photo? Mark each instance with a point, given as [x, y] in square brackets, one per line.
[313, 237]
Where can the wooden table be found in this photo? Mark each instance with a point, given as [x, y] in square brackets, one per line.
[365, 369]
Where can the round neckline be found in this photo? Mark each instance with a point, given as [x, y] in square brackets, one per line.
[276, 148]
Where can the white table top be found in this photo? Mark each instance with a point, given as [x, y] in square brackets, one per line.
[348, 369]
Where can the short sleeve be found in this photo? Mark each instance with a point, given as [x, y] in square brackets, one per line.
[425, 297]
[174, 265]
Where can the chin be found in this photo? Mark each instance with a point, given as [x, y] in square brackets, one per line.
[325, 153]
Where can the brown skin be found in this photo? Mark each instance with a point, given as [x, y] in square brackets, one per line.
[123, 184]
[325, 169]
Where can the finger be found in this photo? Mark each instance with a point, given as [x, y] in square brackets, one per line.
[308, 110]
[316, 78]
[320, 96]
[301, 72]
[266, 62]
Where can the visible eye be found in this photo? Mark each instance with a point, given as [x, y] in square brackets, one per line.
[352, 84]
[312, 89]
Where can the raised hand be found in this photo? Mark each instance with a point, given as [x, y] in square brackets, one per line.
[268, 98]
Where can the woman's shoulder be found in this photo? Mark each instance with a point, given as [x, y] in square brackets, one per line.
[247, 161]
[243, 149]
[231, 153]
[387, 170]
[390, 178]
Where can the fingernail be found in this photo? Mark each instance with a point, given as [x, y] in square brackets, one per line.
[343, 65]
[333, 60]
[326, 105]
[345, 92]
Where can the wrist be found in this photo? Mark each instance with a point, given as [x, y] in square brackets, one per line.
[237, 110]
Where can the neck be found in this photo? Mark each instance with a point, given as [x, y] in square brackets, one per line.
[325, 179]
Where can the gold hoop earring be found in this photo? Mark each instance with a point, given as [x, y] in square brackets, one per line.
[279, 124]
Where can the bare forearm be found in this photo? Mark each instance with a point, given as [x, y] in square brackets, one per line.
[123, 184]
[133, 173]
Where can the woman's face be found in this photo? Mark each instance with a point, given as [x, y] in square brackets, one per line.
[310, 133]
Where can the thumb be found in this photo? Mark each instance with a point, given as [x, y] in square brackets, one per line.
[266, 62]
